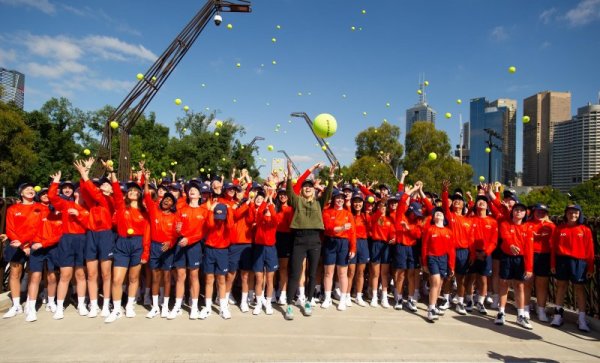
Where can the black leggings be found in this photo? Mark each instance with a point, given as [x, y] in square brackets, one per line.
[307, 243]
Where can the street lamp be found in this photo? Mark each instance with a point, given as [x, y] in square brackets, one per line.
[490, 144]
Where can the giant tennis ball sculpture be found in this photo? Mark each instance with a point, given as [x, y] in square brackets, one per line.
[324, 125]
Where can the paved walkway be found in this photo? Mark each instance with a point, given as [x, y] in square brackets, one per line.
[358, 334]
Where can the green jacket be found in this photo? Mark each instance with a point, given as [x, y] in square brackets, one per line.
[307, 214]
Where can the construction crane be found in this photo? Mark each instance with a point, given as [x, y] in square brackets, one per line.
[144, 91]
[332, 159]
[290, 160]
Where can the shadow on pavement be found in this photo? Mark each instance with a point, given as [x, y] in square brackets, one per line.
[510, 358]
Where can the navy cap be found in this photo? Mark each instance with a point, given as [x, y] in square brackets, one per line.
[25, 185]
[205, 189]
[67, 183]
[347, 186]
[358, 195]
[336, 193]
[308, 181]
[175, 186]
[541, 206]
[384, 186]
[416, 209]
[192, 184]
[228, 185]
[152, 186]
[166, 181]
[135, 185]
[281, 190]
[256, 185]
[482, 197]
[220, 212]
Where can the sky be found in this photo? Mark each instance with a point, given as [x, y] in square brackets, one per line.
[91, 52]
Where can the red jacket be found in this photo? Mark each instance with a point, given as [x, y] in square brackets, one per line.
[460, 225]
[50, 229]
[101, 207]
[266, 226]
[193, 222]
[284, 218]
[133, 220]
[382, 228]
[437, 241]
[339, 217]
[485, 235]
[244, 218]
[542, 235]
[71, 224]
[573, 241]
[23, 222]
[520, 236]
[218, 231]
[162, 225]
[406, 236]
[362, 224]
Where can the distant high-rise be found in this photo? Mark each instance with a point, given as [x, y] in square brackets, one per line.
[421, 111]
[462, 151]
[13, 86]
[576, 149]
[545, 111]
[498, 117]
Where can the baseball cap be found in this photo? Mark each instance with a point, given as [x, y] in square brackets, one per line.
[220, 212]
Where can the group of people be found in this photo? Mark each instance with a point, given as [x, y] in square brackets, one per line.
[291, 242]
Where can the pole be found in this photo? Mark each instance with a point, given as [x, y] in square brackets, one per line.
[460, 133]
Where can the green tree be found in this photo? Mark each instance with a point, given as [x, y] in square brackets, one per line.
[424, 139]
[17, 141]
[368, 169]
[554, 198]
[378, 142]
[588, 196]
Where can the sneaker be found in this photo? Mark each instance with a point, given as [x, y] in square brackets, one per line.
[300, 301]
[417, 296]
[147, 300]
[129, 311]
[257, 309]
[289, 313]
[557, 319]
[114, 315]
[481, 309]
[398, 305]
[439, 312]
[13, 311]
[342, 306]
[308, 309]
[59, 314]
[411, 305]
[269, 309]
[164, 311]
[105, 311]
[174, 313]
[361, 302]
[348, 301]
[232, 300]
[374, 302]
[541, 314]
[431, 315]
[82, 310]
[326, 304]
[336, 294]
[495, 302]
[524, 322]
[194, 314]
[313, 302]
[32, 316]
[583, 325]
[469, 306]
[205, 312]
[460, 308]
[384, 303]
[488, 299]
[499, 319]
[244, 307]
[93, 312]
[51, 307]
[153, 313]
[225, 313]
[445, 305]
[281, 301]
[454, 300]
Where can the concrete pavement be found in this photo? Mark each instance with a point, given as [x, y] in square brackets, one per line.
[358, 334]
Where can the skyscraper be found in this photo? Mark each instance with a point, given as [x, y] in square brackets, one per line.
[497, 117]
[545, 110]
[13, 86]
[421, 111]
[576, 149]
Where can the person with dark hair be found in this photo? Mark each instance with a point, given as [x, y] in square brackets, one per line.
[572, 259]
[438, 258]
[357, 264]
[284, 215]
[383, 236]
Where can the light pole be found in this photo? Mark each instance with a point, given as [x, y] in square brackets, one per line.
[490, 144]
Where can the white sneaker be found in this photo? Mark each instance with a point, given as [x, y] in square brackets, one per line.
[342, 306]
[455, 300]
[269, 309]
[460, 308]
[583, 325]
[32, 316]
[117, 313]
[361, 302]
[313, 302]
[194, 314]
[147, 300]
[232, 300]
[26, 307]
[281, 301]
[411, 305]
[105, 311]
[257, 309]
[488, 299]
[83, 310]
[326, 303]
[164, 311]
[225, 313]
[51, 307]
[445, 305]
[431, 315]
[59, 314]
[336, 293]
[174, 313]
[557, 319]
[524, 322]
[244, 307]
[541, 314]
[384, 303]
[374, 302]
[398, 305]
[153, 313]
[205, 312]
[300, 301]
[13, 311]
[93, 312]
[129, 311]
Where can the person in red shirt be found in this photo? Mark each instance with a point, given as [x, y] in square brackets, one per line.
[71, 247]
[264, 253]
[132, 247]
[516, 263]
[357, 264]
[437, 258]
[572, 259]
[22, 223]
[543, 229]
[284, 242]
[44, 254]
[340, 246]
[163, 236]
[383, 236]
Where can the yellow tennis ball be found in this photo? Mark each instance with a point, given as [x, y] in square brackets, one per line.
[371, 199]
[114, 124]
[140, 76]
[186, 108]
[178, 101]
[219, 123]
[274, 62]
[459, 101]
[110, 163]
[488, 150]
[37, 188]
[238, 64]
[87, 151]
[202, 170]
[419, 92]
[426, 83]
[164, 173]
[130, 231]
[153, 79]
[432, 156]
[512, 69]
[270, 147]
[216, 134]
[274, 40]
[229, 26]
[324, 125]
[448, 115]
[481, 178]
[526, 119]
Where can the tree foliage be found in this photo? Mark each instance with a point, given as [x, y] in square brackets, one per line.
[378, 141]
[17, 141]
[553, 198]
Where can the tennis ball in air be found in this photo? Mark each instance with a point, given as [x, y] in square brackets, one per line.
[324, 125]
[432, 156]
[114, 124]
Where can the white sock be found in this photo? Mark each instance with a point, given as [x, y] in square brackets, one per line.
[117, 305]
[301, 292]
[283, 295]
[195, 304]
[178, 302]
[106, 304]
[383, 294]
[359, 296]
[166, 302]
[208, 303]
[223, 304]
[527, 309]
[50, 300]
[267, 301]
[327, 295]
[461, 300]
[431, 307]
[131, 302]
[31, 304]
[93, 304]
[481, 299]
[410, 298]
[80, 301]
[244, 298]
[501, 309]
[447, 297]
[16, 301]
[227, 295]
[60, 304]
[375, 294]
[155, 301]
[342, 299]
[520, 312]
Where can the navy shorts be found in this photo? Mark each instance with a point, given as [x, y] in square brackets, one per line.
[417, 254]
[71, 250]
[215, 261]
[541, 264]
[128, 251]
[362, 252]
[264, 257]
[512, 267]
[335, 251]
[48, 255]
[497, 253]
[403, 257]
[14, 254]
[380, 252]
[570, 268]
[284, 243]
[160, 260]
[481, 267]
[189, 256]
[240, 257]
[461, 264]
[99, 245]
[438, 265]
